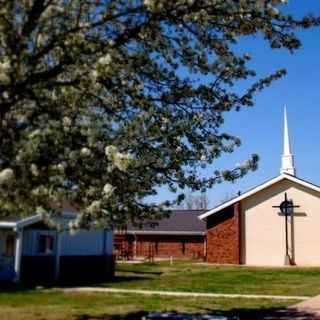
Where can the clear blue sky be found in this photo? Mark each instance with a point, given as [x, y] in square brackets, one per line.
[260, 128]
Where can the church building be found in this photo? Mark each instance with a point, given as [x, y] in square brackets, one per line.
[274, 224]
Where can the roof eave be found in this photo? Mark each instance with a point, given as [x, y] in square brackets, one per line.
[21, 223]
[257, 189]
[8, 225]
[29, 220]
[150, 232]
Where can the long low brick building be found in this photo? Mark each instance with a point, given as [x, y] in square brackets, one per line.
[181, 235]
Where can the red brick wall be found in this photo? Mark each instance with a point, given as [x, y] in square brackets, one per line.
[223, 236]
[123, 246]
[168, 245]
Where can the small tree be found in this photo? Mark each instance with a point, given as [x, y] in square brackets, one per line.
[203, 201]
[195, 202]
[100, 103]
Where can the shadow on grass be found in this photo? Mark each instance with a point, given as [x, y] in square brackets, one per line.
[119, 279]
[13, 288]
[235, 314]
[129, 316]
[9, 287]
[97, 283]
[154, 273]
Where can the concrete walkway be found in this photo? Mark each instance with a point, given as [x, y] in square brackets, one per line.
[310, 306]
[184, 294]
[305, 310]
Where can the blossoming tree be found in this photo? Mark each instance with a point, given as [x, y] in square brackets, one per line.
[101, 101]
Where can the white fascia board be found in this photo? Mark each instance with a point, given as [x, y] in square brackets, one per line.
[28, 221]
[302, 182]
[259, 188]
[182, 233]
[5, 224]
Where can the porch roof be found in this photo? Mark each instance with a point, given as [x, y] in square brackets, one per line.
[15, 222]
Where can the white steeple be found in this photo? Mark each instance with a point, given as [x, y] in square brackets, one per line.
[287, 165]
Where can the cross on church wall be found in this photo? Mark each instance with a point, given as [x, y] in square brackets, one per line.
[287, 209]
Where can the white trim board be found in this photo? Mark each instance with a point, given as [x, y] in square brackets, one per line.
[186, 233]
[249, 193]
[5, 224]
[21, 223]
[29, 220]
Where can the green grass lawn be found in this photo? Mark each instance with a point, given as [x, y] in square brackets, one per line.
[187, 276]
[181, 276]
[39, 305]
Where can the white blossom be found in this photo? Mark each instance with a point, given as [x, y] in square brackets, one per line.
[5, 94]
[94, 74]
[36, 192]
[94, 207]
[34, 133]
[84, 25]
[153, 5]
[5, 67]
[120, 160]
[66, 121]
[52, 10]
[61, 167]
[108, 189]
[165, 120]
[40, 191]
[86, 152]
[203, 157]
[105, 60]
[41, 211]
[274, 11]
[41, 39]
[34, 170]
[110, 150]
[74, 226]
[6, 176]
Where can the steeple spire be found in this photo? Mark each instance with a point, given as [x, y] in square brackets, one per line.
[287, 165]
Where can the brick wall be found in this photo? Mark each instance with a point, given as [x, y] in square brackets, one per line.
[170, 245]
[223, 236]
[123, 246]
[167, 245]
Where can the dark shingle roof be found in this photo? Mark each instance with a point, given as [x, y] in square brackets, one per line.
[178, 221]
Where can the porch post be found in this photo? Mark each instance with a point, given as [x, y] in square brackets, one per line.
[18, 254]
[134, 246]
[57, 257]
[205, 247]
